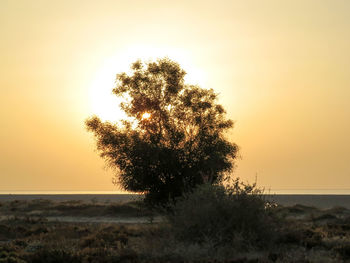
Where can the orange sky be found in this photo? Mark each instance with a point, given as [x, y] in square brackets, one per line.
[282, 69]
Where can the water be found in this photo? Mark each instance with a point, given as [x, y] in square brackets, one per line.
[322, 201]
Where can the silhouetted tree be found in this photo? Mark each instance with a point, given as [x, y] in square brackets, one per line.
[174, 137]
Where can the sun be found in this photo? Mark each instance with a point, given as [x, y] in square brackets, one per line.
[104, 104]
[146, 116]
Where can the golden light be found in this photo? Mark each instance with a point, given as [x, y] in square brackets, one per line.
[106, 105]
[146, 115]
[103, 103]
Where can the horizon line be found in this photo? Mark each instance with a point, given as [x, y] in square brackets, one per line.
[319, 191]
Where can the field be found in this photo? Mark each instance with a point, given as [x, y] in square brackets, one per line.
[42, 230]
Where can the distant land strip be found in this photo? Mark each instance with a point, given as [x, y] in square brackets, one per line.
[322, 201]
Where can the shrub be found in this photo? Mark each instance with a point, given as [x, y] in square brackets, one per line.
[236, 214]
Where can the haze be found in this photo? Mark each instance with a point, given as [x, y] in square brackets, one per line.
[282, 69]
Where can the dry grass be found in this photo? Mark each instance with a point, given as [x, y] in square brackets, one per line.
[307, 235]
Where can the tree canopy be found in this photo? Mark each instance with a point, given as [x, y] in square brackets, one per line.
[174, 137]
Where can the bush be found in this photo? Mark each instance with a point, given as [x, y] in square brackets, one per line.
[233, 215]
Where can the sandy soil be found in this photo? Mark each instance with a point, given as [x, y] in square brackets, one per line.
[120, 220]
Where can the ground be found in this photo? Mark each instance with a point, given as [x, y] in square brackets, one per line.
[91, 231]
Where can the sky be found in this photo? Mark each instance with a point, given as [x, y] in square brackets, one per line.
[281, 69]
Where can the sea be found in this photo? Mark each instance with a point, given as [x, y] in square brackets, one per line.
[324, 199]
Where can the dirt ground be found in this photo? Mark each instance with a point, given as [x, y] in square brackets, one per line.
[42, 230]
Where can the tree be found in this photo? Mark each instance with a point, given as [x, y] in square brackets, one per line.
[173, 138]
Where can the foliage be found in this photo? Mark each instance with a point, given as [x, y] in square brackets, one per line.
[235, 215]
[173, 138]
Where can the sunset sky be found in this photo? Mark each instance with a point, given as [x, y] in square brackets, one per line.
[281, 68]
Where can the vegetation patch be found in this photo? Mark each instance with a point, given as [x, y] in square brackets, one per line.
[234, 215]
[209, 224]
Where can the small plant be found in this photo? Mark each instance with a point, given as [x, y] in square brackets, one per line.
[235, 214]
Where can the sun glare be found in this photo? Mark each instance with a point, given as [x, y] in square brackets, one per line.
[106, 105]
[146, 115]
